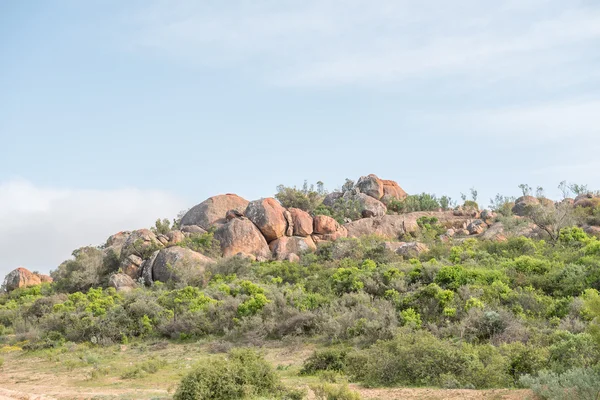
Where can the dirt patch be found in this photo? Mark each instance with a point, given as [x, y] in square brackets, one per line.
[443, 394]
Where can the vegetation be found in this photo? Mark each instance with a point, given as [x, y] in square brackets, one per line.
[243, 375]
[308, 198]
[468, 313]
[420, 202]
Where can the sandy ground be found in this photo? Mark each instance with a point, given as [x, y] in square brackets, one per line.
[29, 377]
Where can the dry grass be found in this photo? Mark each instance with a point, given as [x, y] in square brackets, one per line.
[86, 372]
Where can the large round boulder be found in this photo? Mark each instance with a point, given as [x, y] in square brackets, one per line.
[587, 201]
[178, 263]
[302, 222]
[269, 216]
[212, 211]
[522, 203]
[370, 185]
[368, 206]
[240, 235]
[20, 278]
[284, 246]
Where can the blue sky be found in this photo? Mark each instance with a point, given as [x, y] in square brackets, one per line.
[114, 113]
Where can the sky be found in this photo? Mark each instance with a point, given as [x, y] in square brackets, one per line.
[115, 113]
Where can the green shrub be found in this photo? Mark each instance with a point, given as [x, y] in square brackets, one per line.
[308, 198]
[204, 243]
[419, 202]
[415, 358]
[580, 384]
[325, 360]
[242, 375]
[328, 391]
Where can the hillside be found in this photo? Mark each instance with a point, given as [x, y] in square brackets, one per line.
[312, 291]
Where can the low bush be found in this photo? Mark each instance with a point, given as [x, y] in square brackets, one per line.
[242, 375]
[325, 360]
[328, 391]
[580, 384]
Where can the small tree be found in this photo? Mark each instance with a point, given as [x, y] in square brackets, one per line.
[473, 194]
[578, 189]
[526, 189]
[550, 218]
[564, 189]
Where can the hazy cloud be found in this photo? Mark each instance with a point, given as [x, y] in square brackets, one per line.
[41, 226]
[316, 43]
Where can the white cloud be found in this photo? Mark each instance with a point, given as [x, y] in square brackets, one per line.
[41, 226]
[363, 42]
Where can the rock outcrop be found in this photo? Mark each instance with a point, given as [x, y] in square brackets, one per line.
[177, 263]
[269, 216]
[331, 198]
[241, 236]
[327, 228]
[131, 266]
[521, 204]
[22, 277]
[302, 222]
[368, 206]
[139, 242]
[192, 230]
[395, 226]
[283, 247]
[370, 185]
[213, 210]
[412, 249]
[392, 191]
[121, 282]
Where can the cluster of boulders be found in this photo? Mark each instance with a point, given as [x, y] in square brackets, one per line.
[263, 230]
[22, 277]
[370, 194]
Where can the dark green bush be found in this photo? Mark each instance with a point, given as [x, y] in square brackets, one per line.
[242, 375]
[325, 360]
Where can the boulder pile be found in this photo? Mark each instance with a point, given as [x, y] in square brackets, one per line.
[264, 230]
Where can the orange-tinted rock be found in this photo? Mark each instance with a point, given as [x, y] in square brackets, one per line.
[176, 263]
[175, 237]
[284, 246]
[302, 222]
[20, 278]
[323, 224]
[268, 215]
[240, 235]
[392, 191]
[213, 210]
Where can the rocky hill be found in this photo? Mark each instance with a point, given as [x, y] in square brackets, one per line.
[264, 229]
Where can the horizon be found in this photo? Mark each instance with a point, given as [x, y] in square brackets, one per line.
[115, 114]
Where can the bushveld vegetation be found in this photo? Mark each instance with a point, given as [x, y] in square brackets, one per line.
[467, 314]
